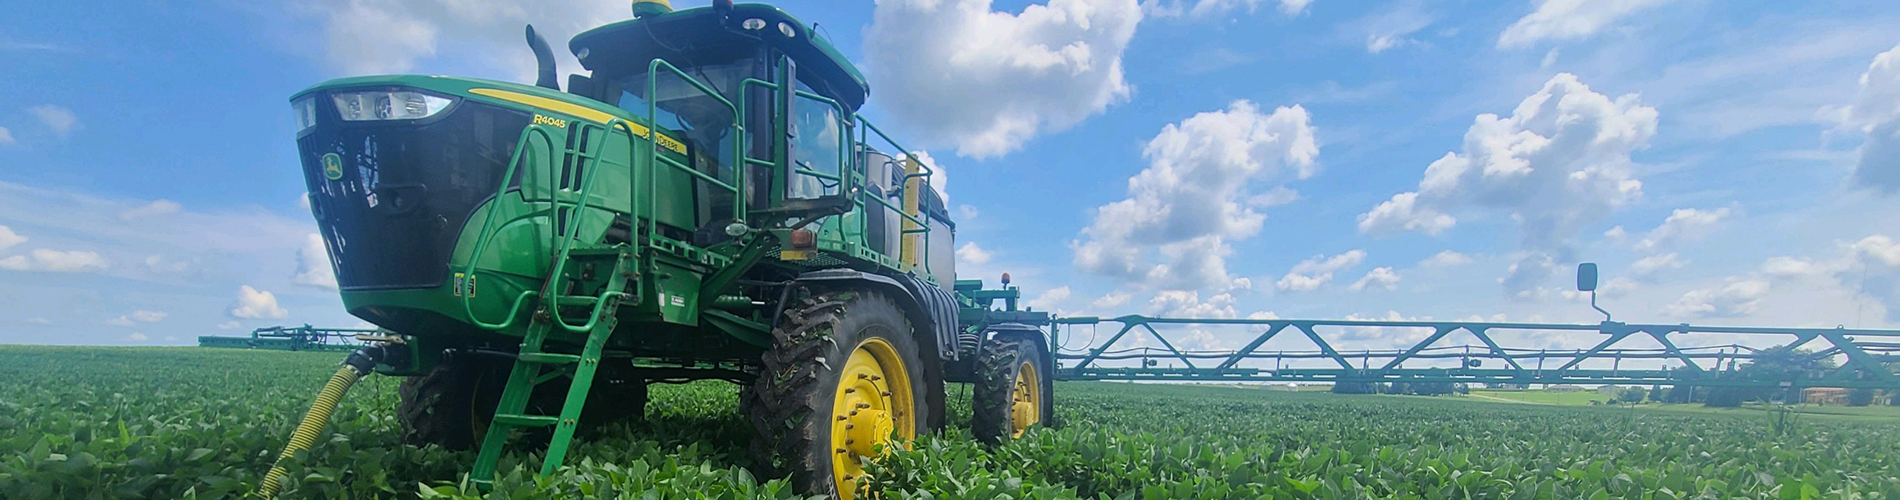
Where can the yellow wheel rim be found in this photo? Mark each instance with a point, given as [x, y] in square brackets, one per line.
[1025, 407]
[872, 404]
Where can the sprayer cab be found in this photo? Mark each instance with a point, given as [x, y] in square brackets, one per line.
[788, 88]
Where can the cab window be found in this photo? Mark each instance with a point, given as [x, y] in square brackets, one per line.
[817, 153]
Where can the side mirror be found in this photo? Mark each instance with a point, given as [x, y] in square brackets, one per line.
[1587, 277]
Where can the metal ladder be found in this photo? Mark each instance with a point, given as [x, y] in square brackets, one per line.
[534, 365]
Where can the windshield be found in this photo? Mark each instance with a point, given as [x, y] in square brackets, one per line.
[703, 122]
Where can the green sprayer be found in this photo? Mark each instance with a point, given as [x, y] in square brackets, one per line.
[702, 201]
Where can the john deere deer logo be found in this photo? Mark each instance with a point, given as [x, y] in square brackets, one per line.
[332, 166]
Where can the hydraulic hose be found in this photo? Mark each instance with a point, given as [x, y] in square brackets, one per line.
[354, 367]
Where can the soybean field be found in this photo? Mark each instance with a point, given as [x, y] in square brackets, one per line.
[104, 423]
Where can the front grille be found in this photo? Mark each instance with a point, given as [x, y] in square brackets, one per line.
[395, 196]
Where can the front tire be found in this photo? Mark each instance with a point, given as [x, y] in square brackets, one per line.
[451, 405]
[1014, 389]
[843, 376]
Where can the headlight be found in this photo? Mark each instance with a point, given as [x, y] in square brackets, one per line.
[387, 105]
[306, 109]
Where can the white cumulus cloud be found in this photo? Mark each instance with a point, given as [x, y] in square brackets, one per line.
[136, 337]
[1876, 113]
[1188, 304]
[139, 316]
[1684, 224]
[1309, 274]
[1049, 299]
[1785, 267]
[1559, 20]
[1445, 258]
[399, 36]
[1874, 265]
[1649, 266]
[60, 120]
[1210, 8]
[1392, 26]
[987, 81]
[159, 264]
[314, 267]
[1737, 297]
[1382, 277]
[1195, 196]
[8, 239]
[153, 209]
[6, 136]
[1111, 300]
[256, 304]
[56, 261]
[970, 254]
[1560, 162]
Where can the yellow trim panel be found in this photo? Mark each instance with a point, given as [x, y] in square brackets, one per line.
[576, 110]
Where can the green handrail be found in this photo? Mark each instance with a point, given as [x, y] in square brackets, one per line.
[565, 244]
[483, 236]
[848, 155]
[925, 174]
[653, 150]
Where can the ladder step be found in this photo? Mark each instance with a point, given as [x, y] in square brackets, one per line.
[548, 358]
[592, 251]
[576, 301]
[526, 420]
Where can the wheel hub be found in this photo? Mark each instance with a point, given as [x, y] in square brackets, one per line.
[1025, 407]
[873, 404]
[866, 430]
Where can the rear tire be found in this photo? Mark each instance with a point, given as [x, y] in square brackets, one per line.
[831, 352]
[1014, 389]
[441, 407]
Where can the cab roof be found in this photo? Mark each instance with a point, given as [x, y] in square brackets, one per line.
[684, 32]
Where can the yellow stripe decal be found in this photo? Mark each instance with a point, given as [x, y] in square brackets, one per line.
[583, 112]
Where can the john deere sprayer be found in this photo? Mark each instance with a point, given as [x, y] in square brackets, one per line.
[702, 201]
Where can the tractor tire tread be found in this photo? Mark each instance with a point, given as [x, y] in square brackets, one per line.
[997, 365]
[788, 409]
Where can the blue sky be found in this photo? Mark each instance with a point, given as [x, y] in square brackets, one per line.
[1727, 162]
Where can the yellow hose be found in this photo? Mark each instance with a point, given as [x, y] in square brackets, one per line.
[313, 422]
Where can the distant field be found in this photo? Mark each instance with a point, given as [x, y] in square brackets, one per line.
[1873, 413]
[85, 423]
[1546, 397]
